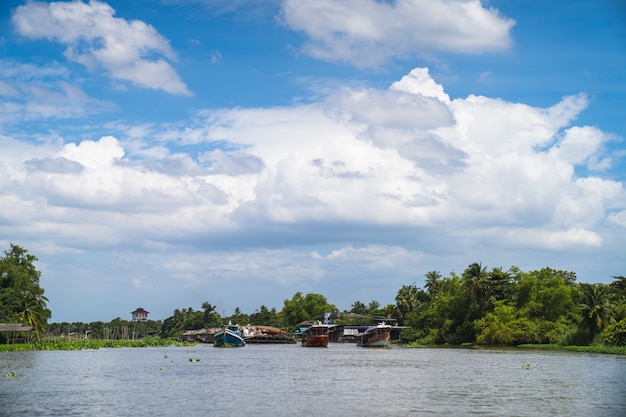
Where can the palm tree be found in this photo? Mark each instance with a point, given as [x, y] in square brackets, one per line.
[372, 306]
[358, 308]
[33, 312]
[407, 300]
[619, 282]
[498, 285]
[597, 309]
[432, 283]
[474, 281]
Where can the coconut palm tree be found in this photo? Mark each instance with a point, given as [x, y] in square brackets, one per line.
[498, 285]
[407, 300]
[596, 309]
[432, 283]
[475, 282]
[33, 312]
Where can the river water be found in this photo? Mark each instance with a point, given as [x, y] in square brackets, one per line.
[290, 380]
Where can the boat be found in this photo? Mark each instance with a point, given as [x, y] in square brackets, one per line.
[316, 335]
[230, 335]
[266, 335]
[375, 336]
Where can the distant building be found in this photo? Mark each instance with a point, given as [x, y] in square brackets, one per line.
[140, 314]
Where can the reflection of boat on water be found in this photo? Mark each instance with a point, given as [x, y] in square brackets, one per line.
[229, 335]
[375, 336]
[316, 335]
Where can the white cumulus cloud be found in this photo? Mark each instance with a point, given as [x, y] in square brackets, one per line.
[368, 33]
[128, 50]
[372, 175]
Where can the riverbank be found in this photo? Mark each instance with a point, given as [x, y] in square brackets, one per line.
[78, 344]
[611, 350]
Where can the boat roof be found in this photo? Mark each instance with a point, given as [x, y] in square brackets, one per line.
[317, 326]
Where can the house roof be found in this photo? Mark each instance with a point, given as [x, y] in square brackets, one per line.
[15, 327]
[139, 310]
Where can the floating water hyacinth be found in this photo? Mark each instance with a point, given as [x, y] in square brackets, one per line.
[9, 374]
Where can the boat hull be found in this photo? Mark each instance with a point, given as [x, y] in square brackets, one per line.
[228, 338]
[315, 341]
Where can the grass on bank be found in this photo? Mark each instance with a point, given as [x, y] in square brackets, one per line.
[80, 344]
[613, 350]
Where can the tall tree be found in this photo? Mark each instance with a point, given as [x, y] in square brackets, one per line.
[239, 318]
[432, 283]
[408, 299]
[596, 309]
[619, 282]
[265, 317]
[373, 308]
[499, 285]
[21, 296]
[474, 278]
[358, 307]
[301, 308]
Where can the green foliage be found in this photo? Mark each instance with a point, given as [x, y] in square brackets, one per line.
[597, 309]
[615, 334]
[548, 294]
[301, 308]
[503, 326]
[491, 307]
[359, 308]
[432, 283]
[238, 318]
[265, 317]
[497, 307]
[409, 299]
[76, 344]
[188, 319]
[22, 299]
[116, 329]
[449, 310]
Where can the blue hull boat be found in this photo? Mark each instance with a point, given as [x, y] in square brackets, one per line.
[229, 336]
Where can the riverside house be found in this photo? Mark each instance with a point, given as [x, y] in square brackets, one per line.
[140, 314]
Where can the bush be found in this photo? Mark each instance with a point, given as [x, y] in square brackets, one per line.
[615, 334]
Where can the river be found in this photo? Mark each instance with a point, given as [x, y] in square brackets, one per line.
[290, 380]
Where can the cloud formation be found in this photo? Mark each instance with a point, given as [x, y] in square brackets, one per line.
[369, 33]
[408, 156]
[127, 50]
[304, 196]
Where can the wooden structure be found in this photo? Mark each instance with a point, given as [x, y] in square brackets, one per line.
[15, 329]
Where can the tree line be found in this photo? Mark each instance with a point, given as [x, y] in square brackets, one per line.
[480, 306]
[497, 307]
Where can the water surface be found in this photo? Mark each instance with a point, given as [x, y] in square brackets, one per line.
[290, 380]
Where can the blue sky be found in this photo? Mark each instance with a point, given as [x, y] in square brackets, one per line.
[162, 153]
